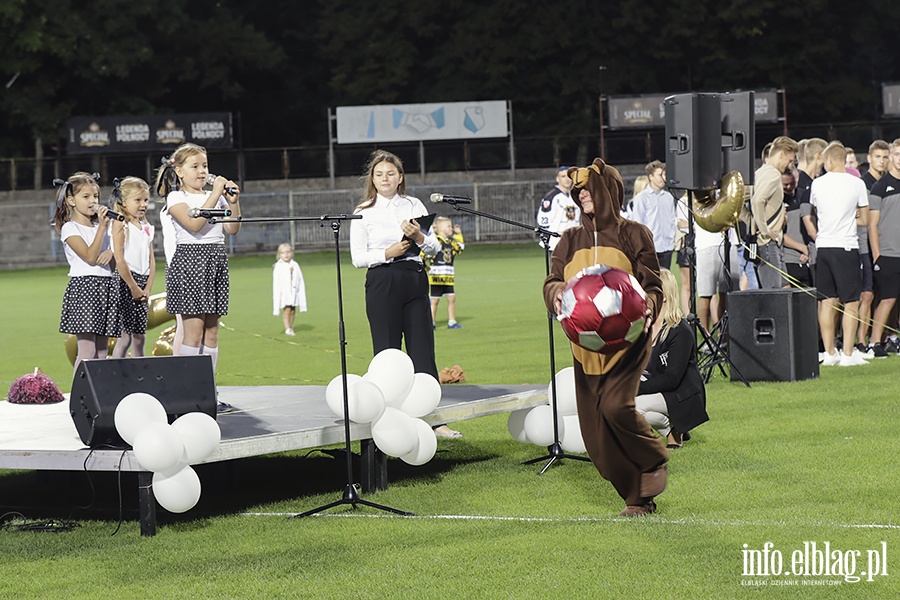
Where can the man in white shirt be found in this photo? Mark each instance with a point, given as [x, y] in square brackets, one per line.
[655, 208]
[841, 202]
[558, 211]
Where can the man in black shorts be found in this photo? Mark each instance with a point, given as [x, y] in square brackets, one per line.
[884, 241]
[841, 202]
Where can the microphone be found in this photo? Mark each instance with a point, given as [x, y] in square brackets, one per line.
[450, 199]
[208, 213]
[112, 215]
[211, 179]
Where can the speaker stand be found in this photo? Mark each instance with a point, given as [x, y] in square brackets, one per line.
[717, 353]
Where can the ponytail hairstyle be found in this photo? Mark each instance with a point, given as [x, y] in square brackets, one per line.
[68, 189]
[166, 178]
[369, 193]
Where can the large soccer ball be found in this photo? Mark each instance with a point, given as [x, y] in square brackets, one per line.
[603, 309]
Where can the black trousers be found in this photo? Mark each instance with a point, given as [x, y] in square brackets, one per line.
[398, 309]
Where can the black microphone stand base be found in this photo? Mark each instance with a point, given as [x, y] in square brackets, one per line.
[351, 497]
[554, 451]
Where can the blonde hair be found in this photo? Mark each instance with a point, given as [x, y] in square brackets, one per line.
[785, 144]
[126, 188]
[282, 248]
[836, 151]
[166, 178]
[813, 146]
[640, 184]
[369, 193]
[671, 312]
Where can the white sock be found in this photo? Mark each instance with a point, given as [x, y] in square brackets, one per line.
[188, 350]
[213, 354]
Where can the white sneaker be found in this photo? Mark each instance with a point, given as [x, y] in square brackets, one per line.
[851, 361]
[822, 356]
[831, 360]
[289, 331]
[866, 355]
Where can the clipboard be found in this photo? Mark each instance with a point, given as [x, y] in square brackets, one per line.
[425, 222]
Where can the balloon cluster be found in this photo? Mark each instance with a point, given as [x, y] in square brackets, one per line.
[167, 450]
[535, 425]
[392, 397]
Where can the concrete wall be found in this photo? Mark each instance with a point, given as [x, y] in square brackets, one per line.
[28, 240]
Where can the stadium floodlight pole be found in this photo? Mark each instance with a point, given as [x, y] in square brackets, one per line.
[351, 490]
[555, 450]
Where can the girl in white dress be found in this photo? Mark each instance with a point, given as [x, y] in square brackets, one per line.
[288, 289]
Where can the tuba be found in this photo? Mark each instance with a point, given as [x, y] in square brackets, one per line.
[717, 209]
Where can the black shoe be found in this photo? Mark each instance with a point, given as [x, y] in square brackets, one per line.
[222, 407]
[891, 347]
[878, 351]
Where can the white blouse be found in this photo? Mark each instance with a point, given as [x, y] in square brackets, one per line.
[77, 266]
[380, 227]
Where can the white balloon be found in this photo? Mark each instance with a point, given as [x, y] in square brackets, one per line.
[134, 412]
[395, 432]
[392, 371]
[565, 392]
[426, 446]
[158, 447]
[572, 441]
[334, 393]
[516, 425]
[179, 492]
[200, 435]
[539, 425]
[423, 397]
[365, 400]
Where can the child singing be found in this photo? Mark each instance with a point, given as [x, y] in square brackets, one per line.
[90, 303]
[197, 283]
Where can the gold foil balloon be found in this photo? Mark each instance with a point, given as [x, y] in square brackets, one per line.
[157, 313]
[163, 345]
[71, 347]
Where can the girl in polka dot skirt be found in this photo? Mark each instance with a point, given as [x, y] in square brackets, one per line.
[197, 277]
[90, 304]
[132, 243]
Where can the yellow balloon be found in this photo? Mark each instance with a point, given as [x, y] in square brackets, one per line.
[157, 311]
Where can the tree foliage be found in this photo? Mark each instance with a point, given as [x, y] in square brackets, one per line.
[281, 63]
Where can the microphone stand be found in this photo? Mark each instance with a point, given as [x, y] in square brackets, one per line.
[351, 490]
[555, 450]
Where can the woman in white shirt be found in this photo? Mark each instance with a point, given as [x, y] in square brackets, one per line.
[387, 241]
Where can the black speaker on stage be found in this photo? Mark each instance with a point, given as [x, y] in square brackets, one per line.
[773, 335]
[182, 384]
[694, 141]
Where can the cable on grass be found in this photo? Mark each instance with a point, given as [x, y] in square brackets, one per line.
[8, 523]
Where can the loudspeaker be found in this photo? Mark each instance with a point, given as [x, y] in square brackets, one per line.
[694, 135]
[738, 134]
[773, 334]
[182, 384]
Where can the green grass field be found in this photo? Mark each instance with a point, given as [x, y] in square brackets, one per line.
[786, 463]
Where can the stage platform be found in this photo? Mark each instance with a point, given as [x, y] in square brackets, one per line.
[265, 420]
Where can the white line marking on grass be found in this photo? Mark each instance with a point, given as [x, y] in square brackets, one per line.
[654, 519]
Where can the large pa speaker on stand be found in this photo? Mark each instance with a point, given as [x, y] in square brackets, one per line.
[773, 334]
[182, 384]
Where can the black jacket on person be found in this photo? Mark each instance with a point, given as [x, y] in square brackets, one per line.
[673, 371]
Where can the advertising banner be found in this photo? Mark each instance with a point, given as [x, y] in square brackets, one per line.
[147, 133]
[421, 122]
